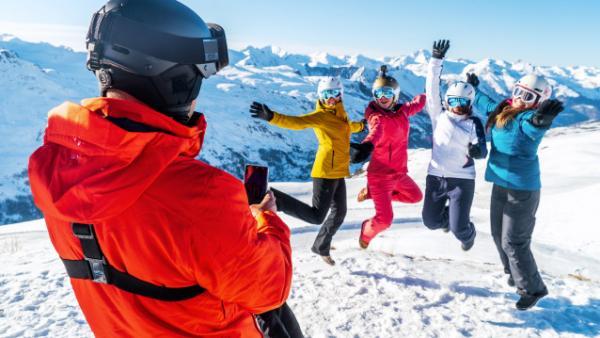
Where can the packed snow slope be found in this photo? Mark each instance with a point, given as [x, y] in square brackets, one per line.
[411, 282]
[35, 77]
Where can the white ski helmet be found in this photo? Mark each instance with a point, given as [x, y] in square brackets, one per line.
[329, 83]
[460, 89]
[535, 84]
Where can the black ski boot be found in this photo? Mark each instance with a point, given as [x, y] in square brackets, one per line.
[466, 246]
[528, 301]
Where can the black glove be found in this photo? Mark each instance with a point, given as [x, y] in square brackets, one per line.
[440, 48]
[359, 152]
[472, 79]
[365, 124]
[261, 111]
[475, 151]
[546, 113]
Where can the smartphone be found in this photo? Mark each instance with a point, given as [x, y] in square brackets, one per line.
[256, 178]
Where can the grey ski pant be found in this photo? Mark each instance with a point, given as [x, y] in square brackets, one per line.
[512, 217]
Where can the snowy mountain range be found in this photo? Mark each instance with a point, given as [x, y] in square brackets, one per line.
[34, 77]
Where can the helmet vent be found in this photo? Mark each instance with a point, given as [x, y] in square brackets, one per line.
[120, 49]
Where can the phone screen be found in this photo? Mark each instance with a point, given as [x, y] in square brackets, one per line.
[255, 180]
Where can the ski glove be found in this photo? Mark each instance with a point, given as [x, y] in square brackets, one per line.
[546, 113]
[440, 48]
[475, 151]
[365, 124]
[472, 79]
[359, 152]
[261, 111]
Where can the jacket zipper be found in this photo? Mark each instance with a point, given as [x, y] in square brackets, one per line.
[332, 157]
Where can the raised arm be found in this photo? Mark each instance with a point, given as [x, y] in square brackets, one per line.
[483, 101]
[413, 107]
[537, 123]
[432, 83]
[310, 120]
[262, 111]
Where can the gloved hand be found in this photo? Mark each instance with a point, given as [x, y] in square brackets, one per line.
[472, 79]
[440, 48]
[359, 152]
[261, 111]
[546, 113]
[475, 151]
[365, 124]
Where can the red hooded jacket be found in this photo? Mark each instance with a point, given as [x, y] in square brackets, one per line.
[388, 132]
[161, 216]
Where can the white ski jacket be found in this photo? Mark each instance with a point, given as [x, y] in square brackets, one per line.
[452, 133]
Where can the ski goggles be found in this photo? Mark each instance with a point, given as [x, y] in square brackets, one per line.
[330, 93]
[525, 94]
[387, 92]
[458, 102]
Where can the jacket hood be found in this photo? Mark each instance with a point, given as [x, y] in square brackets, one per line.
[89, 169]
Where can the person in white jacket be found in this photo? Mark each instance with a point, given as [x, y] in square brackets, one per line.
[458, 139]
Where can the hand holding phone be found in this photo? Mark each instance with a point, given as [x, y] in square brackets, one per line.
[255, 181]
[267, 204]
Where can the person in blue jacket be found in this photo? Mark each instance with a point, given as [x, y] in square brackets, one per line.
[517, 126]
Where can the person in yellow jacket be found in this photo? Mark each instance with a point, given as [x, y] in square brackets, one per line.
[333, 129]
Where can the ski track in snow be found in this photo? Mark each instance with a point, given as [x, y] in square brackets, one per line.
[411, 282]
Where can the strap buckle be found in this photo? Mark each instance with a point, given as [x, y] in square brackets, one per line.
[91, 251]
[97, 269]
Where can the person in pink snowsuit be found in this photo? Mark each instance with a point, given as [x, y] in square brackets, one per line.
[387, 173]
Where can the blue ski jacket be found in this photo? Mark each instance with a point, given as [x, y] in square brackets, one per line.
[513, 162]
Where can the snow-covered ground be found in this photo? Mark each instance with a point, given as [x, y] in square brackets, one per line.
[411, 282]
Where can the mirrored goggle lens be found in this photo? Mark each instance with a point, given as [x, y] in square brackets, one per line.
[524, 94]
[387, 92]
[329, 93]
[458, 102]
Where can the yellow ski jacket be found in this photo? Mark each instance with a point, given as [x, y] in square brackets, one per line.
[333, 129]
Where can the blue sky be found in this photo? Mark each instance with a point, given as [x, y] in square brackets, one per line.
[542, 32]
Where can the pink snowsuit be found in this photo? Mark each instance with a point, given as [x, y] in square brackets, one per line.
[387, 178]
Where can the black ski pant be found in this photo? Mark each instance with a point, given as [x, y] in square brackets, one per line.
[459, 192]
[279, 323]
[327, 194]
[512, 217]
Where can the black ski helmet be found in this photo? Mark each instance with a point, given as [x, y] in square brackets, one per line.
[156, 50]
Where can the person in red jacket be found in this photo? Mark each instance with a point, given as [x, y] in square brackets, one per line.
[387, 178]
[157, 243]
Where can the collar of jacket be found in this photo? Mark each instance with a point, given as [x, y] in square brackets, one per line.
[338, 110]
[377, 108]
[457, 117]
[141, 113]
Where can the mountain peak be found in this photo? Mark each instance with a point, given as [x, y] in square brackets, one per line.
[7, 37]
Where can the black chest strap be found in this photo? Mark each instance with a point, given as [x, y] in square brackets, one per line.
[95, 267]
